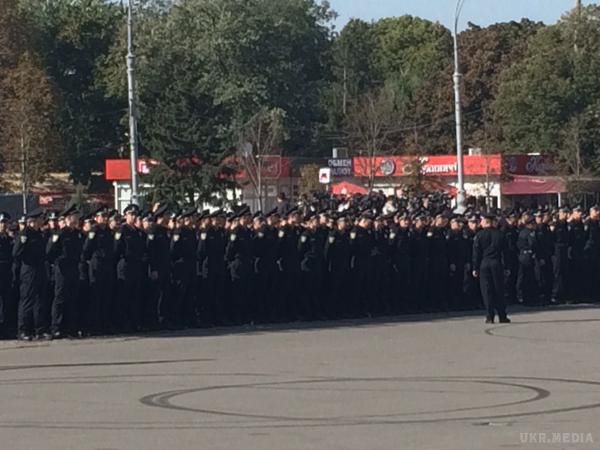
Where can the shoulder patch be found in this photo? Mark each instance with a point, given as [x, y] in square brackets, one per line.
[203, 236]
[303, 239]
[233, 237]
[260, 235]
[392, 235]
[353, 235]
[118, 235]
[429, 234]
[91, 234]
[151, 237]
[23, 239]
[55, 237]
[281, 234]
[331, 239]
[176, 237]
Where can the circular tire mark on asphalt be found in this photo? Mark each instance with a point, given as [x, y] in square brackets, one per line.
[164, 400]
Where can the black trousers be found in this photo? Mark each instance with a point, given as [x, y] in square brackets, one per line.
[31, 317]
[491, 275]
[184, 300]
[101, 298]
[5, 287]
[526, 284]
[128, 310]
[64, 305]
[213, 292]
[560, 265]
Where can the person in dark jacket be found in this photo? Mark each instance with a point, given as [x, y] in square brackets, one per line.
[64, 251]
[527, 246]
[238, 256]
[211, 258]
[310, 251]
[489, 249]
[158, 249]
[184, 246]
[561, 238]
[400, 256]
[361, 245]
[98, 253]
[129, 249]
[29, 253]
[337, 268]
[6, 262]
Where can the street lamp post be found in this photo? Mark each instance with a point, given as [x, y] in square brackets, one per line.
[460, 199]
[133, 142]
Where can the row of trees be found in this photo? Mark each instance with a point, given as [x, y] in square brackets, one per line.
[218, 78]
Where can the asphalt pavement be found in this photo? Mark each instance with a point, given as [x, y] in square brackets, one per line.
[422, 382]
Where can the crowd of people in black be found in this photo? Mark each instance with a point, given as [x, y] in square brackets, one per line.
[323, 257]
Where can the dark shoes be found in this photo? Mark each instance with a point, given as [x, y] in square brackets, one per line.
[501, 320]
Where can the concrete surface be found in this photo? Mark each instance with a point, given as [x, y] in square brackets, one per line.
[445, 383]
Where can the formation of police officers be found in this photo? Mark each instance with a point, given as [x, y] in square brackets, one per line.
[63, 276]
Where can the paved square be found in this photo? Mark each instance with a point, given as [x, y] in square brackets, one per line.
[445, 383]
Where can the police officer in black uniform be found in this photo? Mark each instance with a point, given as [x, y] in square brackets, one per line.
[511, 234]
[264, 265]
[211, 258]
[337, 268]
[29, 253]
[457, 254]
[289, 265]
[64, 251]
[561, 237]
[361, 245]
[420, 253]
[129, 249]
[577, 262]
[400, 246]
[184, 246]
[6, 245]
[98, 249]
[543, 256]
[238, 256]
[527, 246]
[158, 249]
[310, 249]
[592, 252]
[488, 254]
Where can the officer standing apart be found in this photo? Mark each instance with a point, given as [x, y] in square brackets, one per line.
[488, 254]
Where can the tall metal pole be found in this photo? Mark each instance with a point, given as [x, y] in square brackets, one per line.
[23, 173]
[461, 197]
[133, 142]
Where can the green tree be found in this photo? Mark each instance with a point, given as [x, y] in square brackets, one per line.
[485, 53]
[73, 37]
[214, 65]
[550, 101]
[28, 141]
[410, 51]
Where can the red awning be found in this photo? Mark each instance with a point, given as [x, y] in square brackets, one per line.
[526, 185]
[345, 188]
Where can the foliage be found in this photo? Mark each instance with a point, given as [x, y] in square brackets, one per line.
[549, 102]
[73, 38]
[28, 142]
